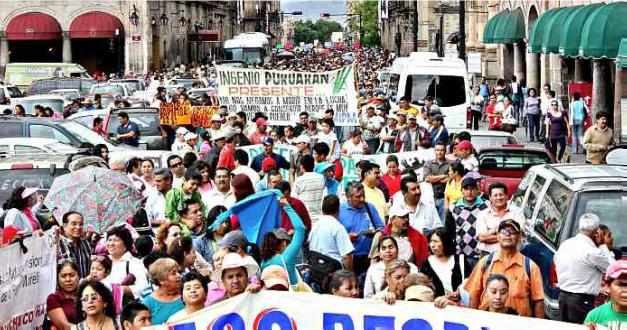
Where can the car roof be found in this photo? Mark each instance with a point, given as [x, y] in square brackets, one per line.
[513, 147]
[30, 140]
[582, 176]
[49, 160]
[43, 97]
[44, 120]
[65, 90]
[488, 133]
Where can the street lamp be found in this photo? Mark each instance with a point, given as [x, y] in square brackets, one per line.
[164, 19]
[197, 26]
[134, 17]
[153, 21]
[183, 21]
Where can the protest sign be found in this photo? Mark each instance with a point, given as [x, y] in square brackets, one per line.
[268, 310]
[186, 114]
[283, 95]
[26, 280]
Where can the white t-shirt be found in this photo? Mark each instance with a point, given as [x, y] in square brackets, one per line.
[353, 149]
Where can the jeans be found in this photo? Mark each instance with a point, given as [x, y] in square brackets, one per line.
[476, 117]
[439, 205]
[533, 125]
[553, 147]
[577, 136]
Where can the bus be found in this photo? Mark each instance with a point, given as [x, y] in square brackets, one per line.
[22, 74]
[250, 47]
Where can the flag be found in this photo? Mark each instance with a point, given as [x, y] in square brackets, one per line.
[182, 326]
[258, 215]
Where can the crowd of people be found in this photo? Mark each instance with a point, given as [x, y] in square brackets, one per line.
[427, 234]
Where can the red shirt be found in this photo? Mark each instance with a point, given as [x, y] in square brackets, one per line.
[494, 122]
[301, 210]
[68, 304]
[393, 184]
[226, 158]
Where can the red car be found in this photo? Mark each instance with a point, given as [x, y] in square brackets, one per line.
[508, 164]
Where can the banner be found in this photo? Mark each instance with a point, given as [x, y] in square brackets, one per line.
[171, 114]
[269, 310]
[410, 159]
[283, 95]
[26, 280]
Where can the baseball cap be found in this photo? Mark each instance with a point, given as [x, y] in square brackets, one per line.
[394, 117]
[261, 122]
[617, 269]
[410, 116]
[190, 136]
[267, 164]
[28, 191]
[229, 132]
[398, 211]
[267, 141]
[439, 118]
[464, 145]
[181, 130]
[434, 112]
[216, 117]
[419, 293]
[232, 115]
[219, 135]
[234, 238]
[274, 275]
[469, 182]
[510, 222]
[303, 138]
[282, 234]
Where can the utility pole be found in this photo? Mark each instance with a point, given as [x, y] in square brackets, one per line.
[462, 30]
[415, 24]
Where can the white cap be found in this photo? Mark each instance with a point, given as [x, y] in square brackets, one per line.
[28, 191]
[233, 260]
[216, 117]
[228, 131]
[190, 136]
[218, 135]
[181, 130]
[398, 211]
[232, 115]
[303, 138]
[589, 222]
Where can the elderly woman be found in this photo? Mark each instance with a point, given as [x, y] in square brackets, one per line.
[166, 300]
[194, 294]
[123, 264]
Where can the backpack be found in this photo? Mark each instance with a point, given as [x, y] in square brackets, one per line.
[322, 267]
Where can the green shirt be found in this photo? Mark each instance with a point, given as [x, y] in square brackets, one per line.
[606, 316]
[175, 201]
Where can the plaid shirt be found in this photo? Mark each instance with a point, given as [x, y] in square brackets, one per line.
[81, 253]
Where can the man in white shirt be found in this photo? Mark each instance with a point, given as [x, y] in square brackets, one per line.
[580, 263]
[371, 125]
[329, 237]
[488, 220]
[175, 164]
[179, 145]
[216, 125]
[309, 187]
[241, 166]
[422, 216]
[222, 194]
[155, 203]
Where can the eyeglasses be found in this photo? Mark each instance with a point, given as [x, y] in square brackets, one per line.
[176, 165]
[97, 258]
[506, 231]
[93, 297]
[554, 104]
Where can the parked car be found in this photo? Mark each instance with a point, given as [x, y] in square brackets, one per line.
[56, 102]
[9, 92]
[485, 138]
[39, 171]
[185, 82]
[34, 146]
[553, 198]
[110, 89]
[617, 156]
[43, 86]
[508, 164]
[68, 93]
[133, 85]
[146, 118]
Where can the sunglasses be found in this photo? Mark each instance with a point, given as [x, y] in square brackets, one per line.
[508, 231]
[176, 165]
[93, 297]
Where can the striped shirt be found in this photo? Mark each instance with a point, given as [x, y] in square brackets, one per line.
[310, 189]
[80, 253]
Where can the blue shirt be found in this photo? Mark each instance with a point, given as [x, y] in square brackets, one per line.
[357, 220]
[161, 311]
[436, 138]
[484, 90]
[130, 127]
[280, 161]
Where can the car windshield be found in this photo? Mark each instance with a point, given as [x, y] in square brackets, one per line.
[29, 105]
[482, 141]
[609, 206]
[248, 55]
[148, 122]
[132, 85]
[14, 91]
[448, 91]
[69, 95]
[87, 135]
[508, 159]
[108, 89]
[60, 146]
[40, 178]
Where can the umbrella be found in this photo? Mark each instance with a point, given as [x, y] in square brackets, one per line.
[102, 196]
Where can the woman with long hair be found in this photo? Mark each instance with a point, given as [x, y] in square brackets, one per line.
[445, 269]
[182, 251]
[61, 305]
[148, 173]
[375, 276]
[453, 190]
[101, 150]
[557, 130]
[344, 283]
[532, 108]
[207, 243]
[95, 307]
[395, 283]
[207, 176]
[167, 233]
[497, 291]
[21, 208]
[242, 187]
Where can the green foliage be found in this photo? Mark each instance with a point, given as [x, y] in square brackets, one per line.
[308, 31]
[369, 20]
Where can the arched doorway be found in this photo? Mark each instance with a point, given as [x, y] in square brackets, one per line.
[98, 42]
[532, 59]
[34, 37]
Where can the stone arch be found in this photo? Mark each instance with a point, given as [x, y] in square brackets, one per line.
[111, 10]
[29, 9]
[532, 16]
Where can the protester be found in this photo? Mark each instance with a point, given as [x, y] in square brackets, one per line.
[355, 145]
[309, 187]
[241, 167]
[175, 164]
[526, 290]
[166, 300]
[369, 176]
[72, 245]
[328, 137]
[193, 293]
[423, 216]
[61, 305]
[95, 307]
[270, 181]
[234, 273]
[497, 293]
[392, 177]
[268, 153]
[453, 189]
[343, 283]
[436, 172]
[371, 125]
[438, 132]
[242, 187]
[119, 244]
[260, 133]
[207, 243]
[598, 139]
[329, 237]
[135, 316]
[612, 314]
[21, 209]
[175, 198]
[476, 106]
[166, 233]
[182, 251]
[489, 219]
[494, 117]
[298, 206]
[388, 251]
[580, 263]
[223, 193]
[395, 282]
[444, 267]
[303, 147]
[275, 278]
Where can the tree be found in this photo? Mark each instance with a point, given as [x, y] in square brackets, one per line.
[308, 31]
[369, 20]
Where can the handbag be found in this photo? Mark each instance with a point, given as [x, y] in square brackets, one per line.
[322, 267]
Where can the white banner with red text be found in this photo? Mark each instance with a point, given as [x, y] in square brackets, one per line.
[273, 310]
[283, 95]
[26, 280]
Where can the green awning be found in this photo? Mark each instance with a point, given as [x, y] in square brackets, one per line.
[490, 30]
[507, 27]
[603, 31]
[571, 31]
[555, 27]
[621, 58]
[540, 29]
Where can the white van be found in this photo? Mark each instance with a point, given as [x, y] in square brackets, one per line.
[395, 75]
[445, 79]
